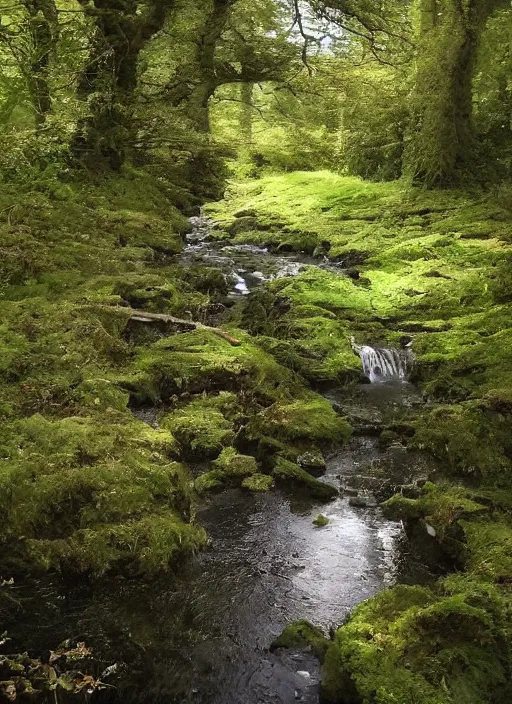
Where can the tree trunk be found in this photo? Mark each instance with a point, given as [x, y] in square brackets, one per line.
[110, 77]
[195, 82]
[442, 143]
[246, 93]
[43, 29]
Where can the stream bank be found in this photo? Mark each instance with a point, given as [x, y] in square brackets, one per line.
[70, 438]
[434, 269]
[203, 634]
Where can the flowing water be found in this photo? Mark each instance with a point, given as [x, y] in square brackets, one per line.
[203, 635]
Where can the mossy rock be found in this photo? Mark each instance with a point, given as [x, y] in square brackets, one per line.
[313, 462]
[209, 481]
[321, 521]
[290, 473]
[413, 640]
[258, 482]
[300, 635]
[201, 430]
[61, 511]
[311, 418]
[460, 436]
[234, 466]
[232, 469]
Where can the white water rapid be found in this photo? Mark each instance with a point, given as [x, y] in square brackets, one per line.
[382, 364]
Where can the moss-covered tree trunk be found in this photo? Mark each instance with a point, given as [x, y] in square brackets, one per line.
[109, 79]
[246, 93]
[195, 81]
[442, 145]
[43, 32]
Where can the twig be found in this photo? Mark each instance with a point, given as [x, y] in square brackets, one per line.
[141, 316]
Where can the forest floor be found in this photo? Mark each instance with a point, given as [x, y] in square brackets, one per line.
[87, 488]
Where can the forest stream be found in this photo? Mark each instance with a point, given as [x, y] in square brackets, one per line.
[204, 635]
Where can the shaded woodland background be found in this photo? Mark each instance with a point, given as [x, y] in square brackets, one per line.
[417, 88]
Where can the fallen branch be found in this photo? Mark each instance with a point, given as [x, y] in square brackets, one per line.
[141, 316]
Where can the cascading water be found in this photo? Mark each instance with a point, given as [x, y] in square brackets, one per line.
[383, 364]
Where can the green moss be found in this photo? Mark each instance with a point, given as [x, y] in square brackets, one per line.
[473, 439]
[413, 644]
[200, 428]
[320, 521]
[209, 481]
[443, 506]
[312, 419]
[233, 466]
[302, 634]
[85, 486]
[232, 469]
[290, 473]
[72, 488]
[258, 482]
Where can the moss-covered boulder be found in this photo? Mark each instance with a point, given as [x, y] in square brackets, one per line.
[200, 428]
[258, 482]
[93, 494]
[418, 645]
[290, 473]
[313, 462]
[234, 466]
[301, 635]
[311, 418]
[232, 469]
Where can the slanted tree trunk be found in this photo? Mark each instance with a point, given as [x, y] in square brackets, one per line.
[442, 144]
[110, 77]
[43, 30]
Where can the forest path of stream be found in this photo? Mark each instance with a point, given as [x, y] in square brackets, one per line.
[203, 636]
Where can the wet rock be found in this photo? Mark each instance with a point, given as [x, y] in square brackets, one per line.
[349, 491]
[286, 471]
[302, 634]
[320, 521]
[313, 462]
[362, 502]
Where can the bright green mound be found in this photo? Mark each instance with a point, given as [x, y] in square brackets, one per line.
[412, 645]
[93, 493]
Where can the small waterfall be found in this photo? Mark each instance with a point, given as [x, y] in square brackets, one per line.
[381, 364]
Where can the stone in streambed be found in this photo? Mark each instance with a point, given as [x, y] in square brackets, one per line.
[230, 469]
[362, 502]
[313, 462]
[302, 634]
[289, 472]
[320, 521]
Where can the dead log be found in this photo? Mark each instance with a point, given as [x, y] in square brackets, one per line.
[141, 316]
